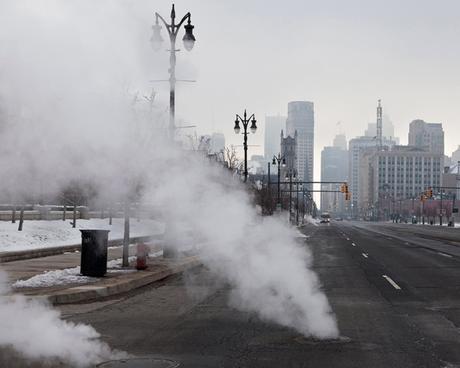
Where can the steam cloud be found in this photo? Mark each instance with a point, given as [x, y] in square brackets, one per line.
[67, 112]
[37, 332]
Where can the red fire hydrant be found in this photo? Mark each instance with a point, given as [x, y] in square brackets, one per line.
[142, 254]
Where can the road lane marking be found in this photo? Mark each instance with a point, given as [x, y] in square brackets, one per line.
[348, 238]
[444, 254]
[392, 283]
[365, 255]
[353, 244]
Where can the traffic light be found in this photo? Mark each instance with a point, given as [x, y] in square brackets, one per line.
[429, 193]
[423, 198]
[347, 196]
[344, 188]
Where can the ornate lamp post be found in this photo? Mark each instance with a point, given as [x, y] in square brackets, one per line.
[157, 40]
[245, 121]
[291, 174]
[279, 160]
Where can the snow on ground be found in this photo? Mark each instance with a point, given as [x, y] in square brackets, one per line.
[44, 234]
[56, 277]
[68, 276]
[72, 275]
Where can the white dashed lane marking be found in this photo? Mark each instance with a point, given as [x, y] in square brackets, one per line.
[392, 283]
[444, 254]
[353, 244]
[365, 255]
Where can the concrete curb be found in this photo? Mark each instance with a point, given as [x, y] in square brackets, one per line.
[118, 285]
[52, 251]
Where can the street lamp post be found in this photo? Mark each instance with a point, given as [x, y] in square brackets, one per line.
[245, 121]
[290, 175]
[299, 186]
[156, 41]
[279, 160]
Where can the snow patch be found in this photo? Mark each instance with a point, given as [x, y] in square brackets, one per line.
[68, 276]
[45, 234]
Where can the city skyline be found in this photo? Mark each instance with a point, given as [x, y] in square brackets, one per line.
[341, 56]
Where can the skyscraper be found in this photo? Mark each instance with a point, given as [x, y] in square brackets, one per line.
[427, 135]
[340, 141]
[456, 156]
[273, 127]
[334, 167]
[301, 119]
[356, 147]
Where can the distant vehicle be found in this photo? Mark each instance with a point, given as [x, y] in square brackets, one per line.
[325, 218]
[338, 219]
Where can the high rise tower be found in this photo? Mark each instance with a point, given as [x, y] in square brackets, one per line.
[427, 135]
[379, 126]
[301, 119]
[273, 127]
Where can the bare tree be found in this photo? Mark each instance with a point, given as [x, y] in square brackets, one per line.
[231, 158]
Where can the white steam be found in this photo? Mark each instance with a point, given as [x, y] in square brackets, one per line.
[65, 114]
[36, 331]
[262, 258]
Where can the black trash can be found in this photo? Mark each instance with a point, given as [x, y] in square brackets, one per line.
[94, 252]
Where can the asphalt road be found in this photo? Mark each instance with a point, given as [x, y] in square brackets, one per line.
[397, 305]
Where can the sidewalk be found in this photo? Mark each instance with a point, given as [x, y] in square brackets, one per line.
[51, 279]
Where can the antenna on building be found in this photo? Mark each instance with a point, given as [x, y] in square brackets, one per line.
[379, 126]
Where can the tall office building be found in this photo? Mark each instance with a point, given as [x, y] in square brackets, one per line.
[301, 119]
[456, 156]
[427, 135]
[396, 174]
[334, 167]
[340, 141]
[355, 178]
[273, 127]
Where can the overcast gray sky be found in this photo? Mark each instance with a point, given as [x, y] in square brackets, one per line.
[342, 55]
[259, 55]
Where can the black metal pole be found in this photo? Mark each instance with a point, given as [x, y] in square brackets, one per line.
[268, 175]
[125, 260]
[172, 83]
[245, 121]
[297, 203]
[440, 212]
[172, 29]
[290, 196]
[279, 184]
[423, 212]
[245, 146]
[453, 206]
[21, 218]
